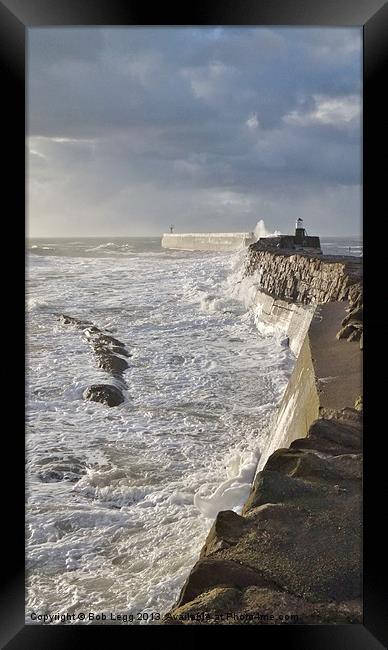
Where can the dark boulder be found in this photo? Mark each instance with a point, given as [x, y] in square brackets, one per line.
[112, 364]
[104, 393]
[109, 340]
[64, 319]
[121, 350]
[226, 531]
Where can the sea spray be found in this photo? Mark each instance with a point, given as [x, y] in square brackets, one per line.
[119, 500]
[261, 230]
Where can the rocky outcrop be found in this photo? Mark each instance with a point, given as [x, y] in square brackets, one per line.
[106, 349]
[352, 326]
[303, 278]
[294, 555]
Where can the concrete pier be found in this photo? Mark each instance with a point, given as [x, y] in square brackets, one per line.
[208, 241]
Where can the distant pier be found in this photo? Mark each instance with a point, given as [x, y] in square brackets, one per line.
[208, 241]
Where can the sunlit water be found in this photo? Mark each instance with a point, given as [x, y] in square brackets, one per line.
[120, 499]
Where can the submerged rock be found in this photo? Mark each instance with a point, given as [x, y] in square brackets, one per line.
[105, 346]
[64, 319]
[104, 393]
[112, 364]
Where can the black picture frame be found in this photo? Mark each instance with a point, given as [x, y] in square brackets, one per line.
[16, 17]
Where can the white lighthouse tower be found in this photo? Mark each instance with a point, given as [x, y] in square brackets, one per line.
[299, 232]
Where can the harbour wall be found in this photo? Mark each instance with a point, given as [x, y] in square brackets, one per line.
[289, 291]
[231, 241]
[297, 546]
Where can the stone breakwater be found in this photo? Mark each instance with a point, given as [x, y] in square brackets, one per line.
[303, 278]
[294, 555]
[110, 356]
[207, 241]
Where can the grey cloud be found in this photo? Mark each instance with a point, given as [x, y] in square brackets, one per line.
[131, 128]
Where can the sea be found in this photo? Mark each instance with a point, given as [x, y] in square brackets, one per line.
[120, 500]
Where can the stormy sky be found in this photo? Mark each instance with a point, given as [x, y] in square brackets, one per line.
[211, 129]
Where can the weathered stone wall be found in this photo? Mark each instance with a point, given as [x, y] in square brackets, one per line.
[303, 278]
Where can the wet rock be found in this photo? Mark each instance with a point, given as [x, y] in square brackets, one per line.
[91, 330]
[104, 393]
[55, 469]
[109, 340]
[121, 350]
[112, 364]
[50, 476]
[64, 319]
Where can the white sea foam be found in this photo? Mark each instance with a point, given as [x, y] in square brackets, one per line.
[120, 500]
[34, 303]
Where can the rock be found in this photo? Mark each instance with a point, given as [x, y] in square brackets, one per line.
[226, 531]
[362, 341]
[344, 332]
[112, 364]
[216, 600]
[355, 295]
[104, 393]
[121, 350]
[261, 606]
[64, 319]
[357, 324]
[344, 430]
[358, 404]
[306, 465]
[354, 315]
[208, 573]
[355, 335]
[109, 340]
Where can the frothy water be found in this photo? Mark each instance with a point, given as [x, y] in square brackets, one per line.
[120, 499]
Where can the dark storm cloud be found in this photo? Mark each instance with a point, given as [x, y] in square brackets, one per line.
[132, 128]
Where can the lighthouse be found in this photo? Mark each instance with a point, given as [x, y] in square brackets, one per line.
[301, 241]
[300, 232]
